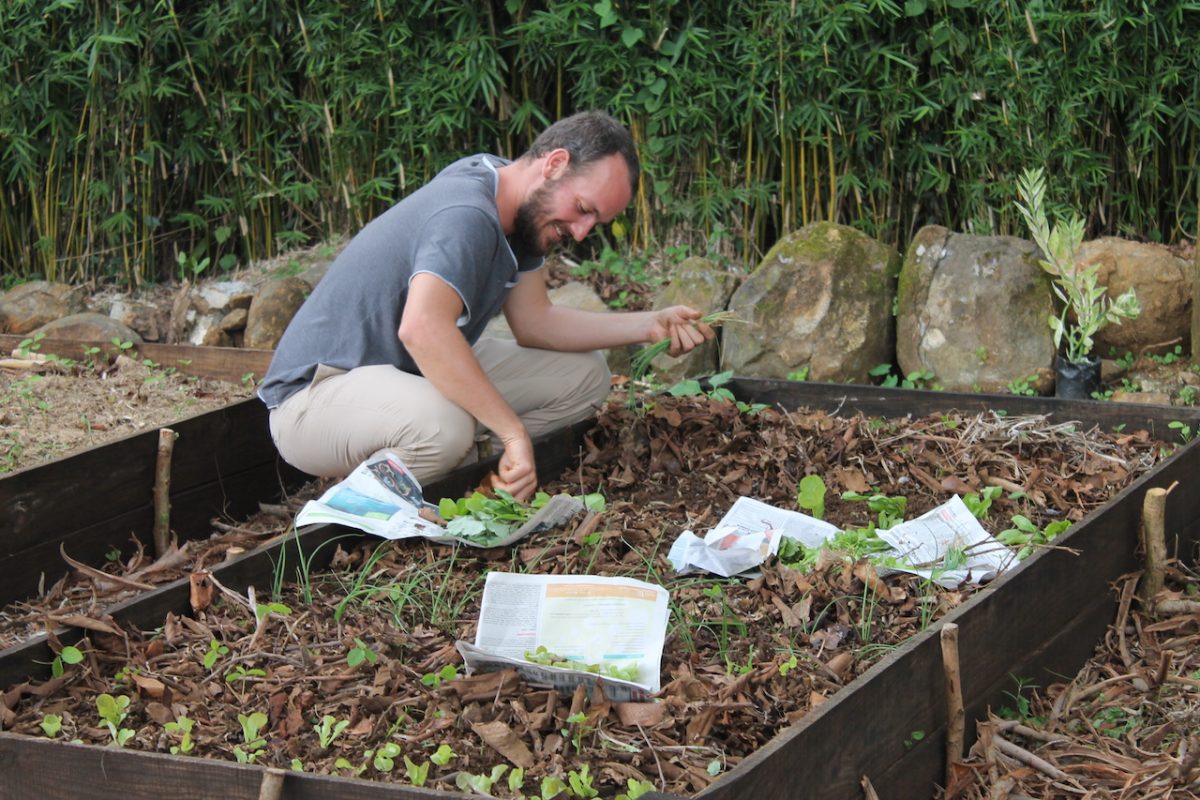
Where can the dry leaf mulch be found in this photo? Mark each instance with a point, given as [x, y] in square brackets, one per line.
[371, 643]
[1126, 726]
[51, 408]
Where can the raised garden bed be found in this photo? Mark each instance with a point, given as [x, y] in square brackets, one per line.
[864, 729]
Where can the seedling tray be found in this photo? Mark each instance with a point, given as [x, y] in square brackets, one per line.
[1038, 621]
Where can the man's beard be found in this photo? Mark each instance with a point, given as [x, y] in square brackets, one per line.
[530, 222]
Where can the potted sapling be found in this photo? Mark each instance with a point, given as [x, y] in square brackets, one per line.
[1087, 308]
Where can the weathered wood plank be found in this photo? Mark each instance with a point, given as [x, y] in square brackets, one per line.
[228, 364]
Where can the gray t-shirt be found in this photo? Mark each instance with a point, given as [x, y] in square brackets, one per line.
[449, 227]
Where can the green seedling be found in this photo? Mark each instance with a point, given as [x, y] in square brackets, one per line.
[553, 786]
[262, 610]
[360, 654]
[113, 711]
[788, 666]
[251, 724]
[542, 656]
[581, 782]
[31, 345]
[979, 503]
[714, 767]
[810, 495]
[577, 728]
[798, 374]
[913, 739]
[417, 774]
[51, 724]
[215, 651]
[1027, 536]
[68, 655]
[516, 780]
[443, 755]
[385, 757]
[435, 679]
[329, 729]
[480, 784]
[636, 788]
[1023, 386]
[342, 763]
[1185, 430]
[242, 674]
[297, 765]
[1115, 722]
[890, 509]
[182, 726]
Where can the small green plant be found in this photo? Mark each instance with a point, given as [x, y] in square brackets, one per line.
[68, 655]
[385, 757]
[1187, 396]
[113, 711]
[360, 654]
[690, 387]
[787, 666]
[913, 738]
[981, 354]
[51, 724]
[329, 729]
[248, 380]
[215, 651]
[1115, 722]
[1024, 706]
[190, 266]
[917, 379]
[31, 345]
[979, 503]
[435, 679]
[1077, 287]
[417, 774]
[635, 789]
[252, 725]
[240, 674]
[182, 726]
[1023, 386]
[123, 345]
[443, 755]
[481, 784]
[1185, 430]
[581, 783]
[262, 610]
[889, 509]
[577, 728]
[810, 495]
[1028, 536]
[1169, 357]
[799, 374]
[486, 521]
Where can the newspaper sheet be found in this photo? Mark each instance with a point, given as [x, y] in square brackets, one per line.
[382, 497]
[949, 546]
[946, 545]
[748, 533]
[594, 622]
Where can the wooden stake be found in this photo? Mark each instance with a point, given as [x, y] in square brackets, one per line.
[956, 716]
[271, 787]
[1154, 542]
[162, 491]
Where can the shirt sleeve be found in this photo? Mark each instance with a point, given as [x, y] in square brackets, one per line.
[461, 246]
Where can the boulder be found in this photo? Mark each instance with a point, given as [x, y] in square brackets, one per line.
[822, 299]
[273, 308]
[1163, 282]
[973, 310]
[28, 306]
[89, 325]
[704, 285]
[149, 320]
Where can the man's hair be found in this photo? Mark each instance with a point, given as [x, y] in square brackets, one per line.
[589, 136]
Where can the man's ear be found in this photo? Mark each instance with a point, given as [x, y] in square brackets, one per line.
[557, 164]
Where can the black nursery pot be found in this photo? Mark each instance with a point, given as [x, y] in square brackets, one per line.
[1076, 380]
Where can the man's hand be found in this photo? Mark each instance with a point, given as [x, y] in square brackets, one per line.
[518, 473]
[682, 326]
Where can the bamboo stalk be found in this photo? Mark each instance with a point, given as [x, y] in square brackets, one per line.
[162, 491]
[956, 716]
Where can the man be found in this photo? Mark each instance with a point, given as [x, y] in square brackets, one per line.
[386, 352]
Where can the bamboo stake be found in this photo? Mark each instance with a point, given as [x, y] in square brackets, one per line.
[162, 491]
[271, 787]
[1153, 535]
[956, 716]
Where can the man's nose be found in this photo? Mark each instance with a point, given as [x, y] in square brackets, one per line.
[580, 229]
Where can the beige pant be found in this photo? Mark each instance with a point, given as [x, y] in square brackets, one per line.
[341, 418]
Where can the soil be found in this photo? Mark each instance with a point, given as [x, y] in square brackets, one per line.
[371, 643]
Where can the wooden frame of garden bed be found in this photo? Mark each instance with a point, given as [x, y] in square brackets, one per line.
[1038, 622]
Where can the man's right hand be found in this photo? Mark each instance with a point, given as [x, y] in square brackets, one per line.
[518, 473]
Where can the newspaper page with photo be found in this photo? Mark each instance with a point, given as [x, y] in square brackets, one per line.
[565, 630]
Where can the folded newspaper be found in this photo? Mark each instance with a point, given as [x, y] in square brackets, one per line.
[610, 631]
[382, 497]
[751, 530]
